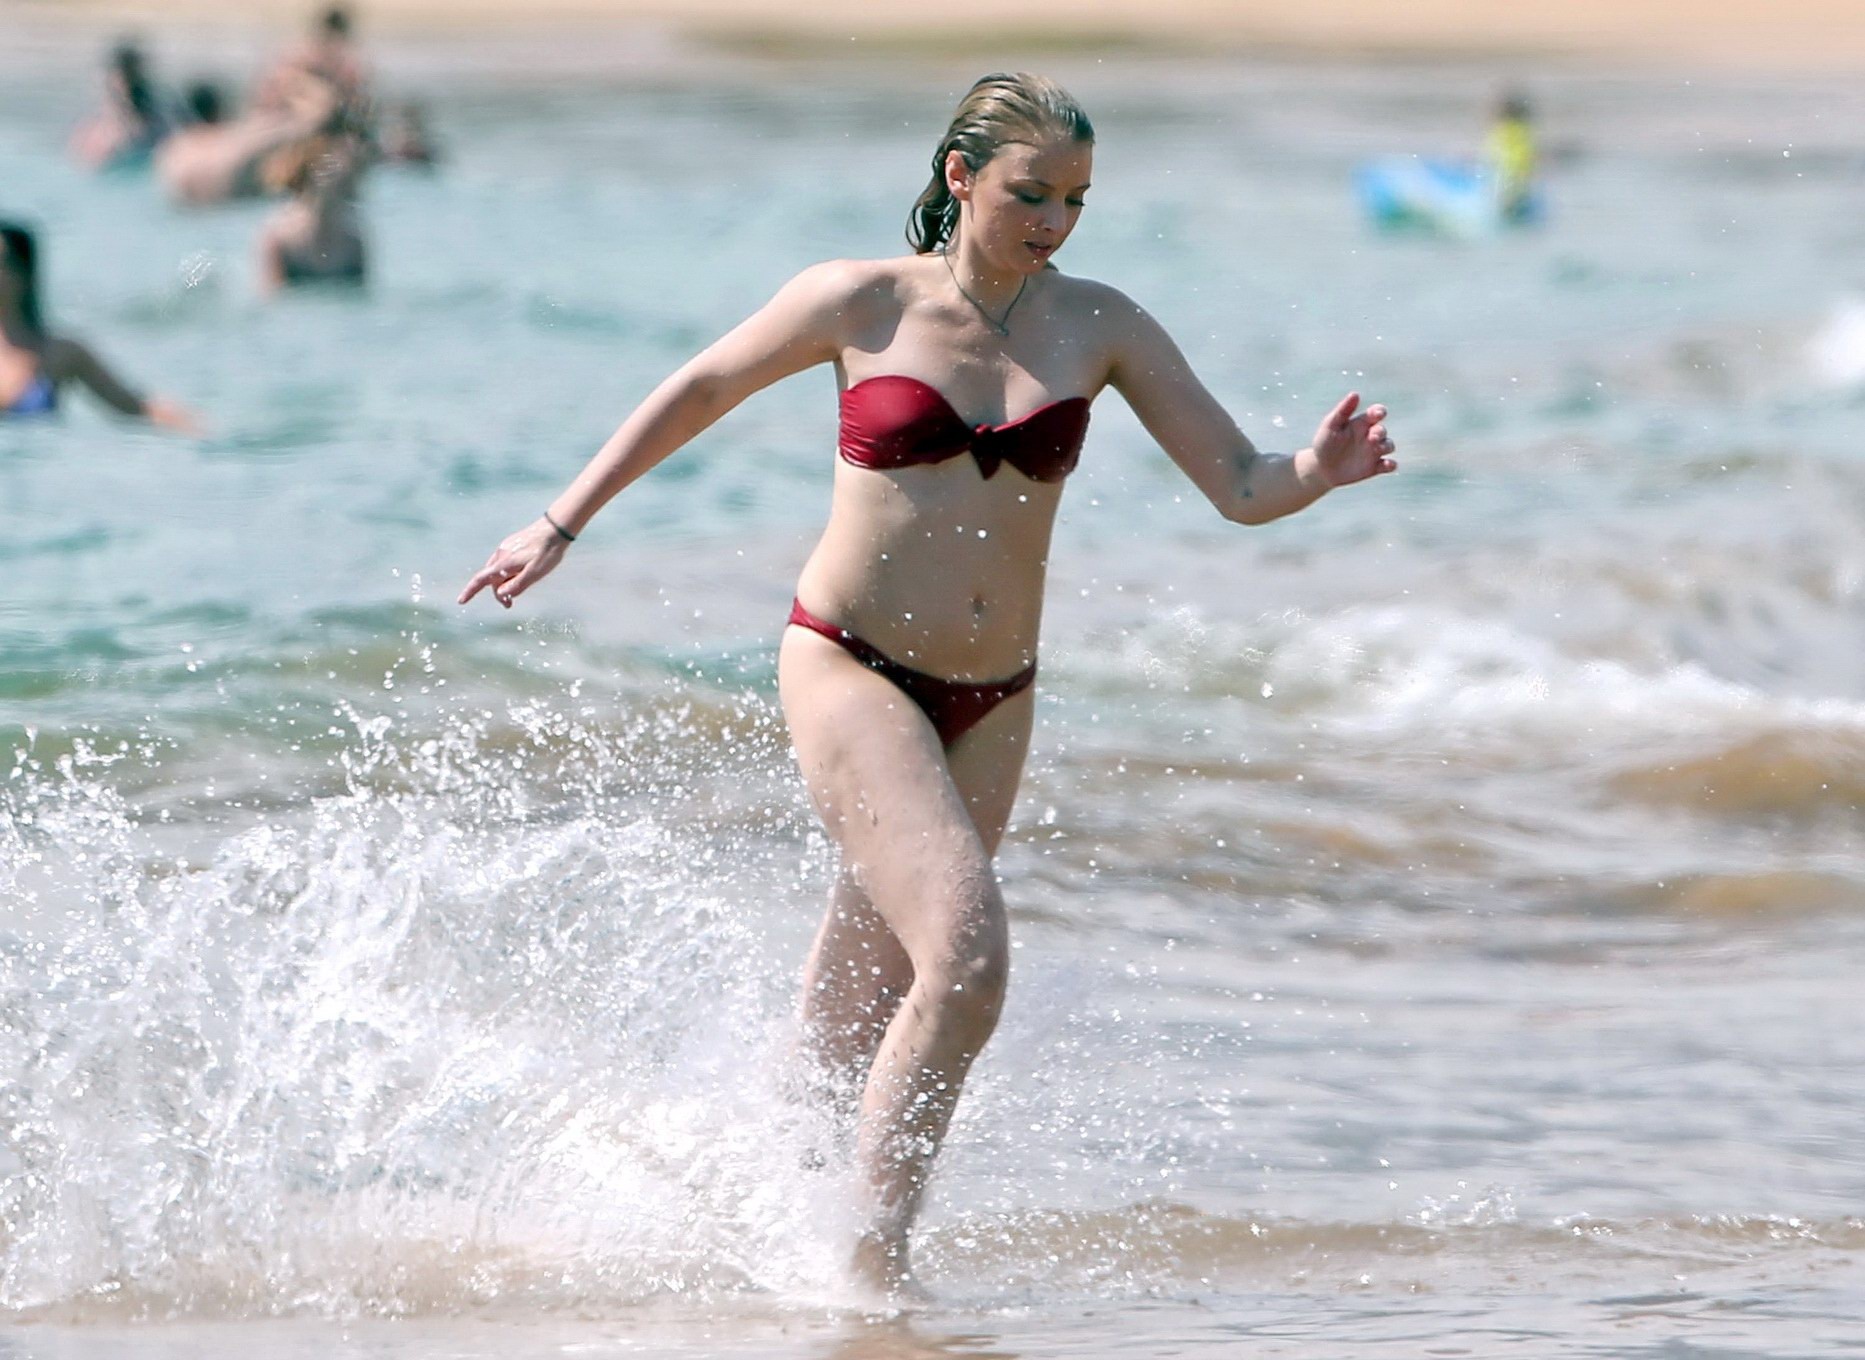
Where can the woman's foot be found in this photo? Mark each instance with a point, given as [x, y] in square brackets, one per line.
[879, 1267]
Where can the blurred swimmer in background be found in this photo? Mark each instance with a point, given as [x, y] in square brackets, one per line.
[212, 160]
[403, 136]
[329, 53]
[35, 362]
[124, 131]
[1510, 155]
[317, 237]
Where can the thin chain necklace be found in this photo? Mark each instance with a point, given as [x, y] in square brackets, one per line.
[1001, 327]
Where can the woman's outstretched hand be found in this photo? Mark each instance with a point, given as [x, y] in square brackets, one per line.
[518, 563]
[1350, 448]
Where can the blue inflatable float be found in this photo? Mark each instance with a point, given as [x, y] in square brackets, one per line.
[1453, 198]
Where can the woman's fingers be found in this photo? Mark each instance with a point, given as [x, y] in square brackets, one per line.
[516, 565]
[497, 569]
[1343, 412]
[523, 581]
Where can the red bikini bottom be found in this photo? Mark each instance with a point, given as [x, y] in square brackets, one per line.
[953, 706]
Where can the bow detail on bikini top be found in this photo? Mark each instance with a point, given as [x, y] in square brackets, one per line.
[892, 421]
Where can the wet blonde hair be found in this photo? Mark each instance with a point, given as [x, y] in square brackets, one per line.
[1000, 108]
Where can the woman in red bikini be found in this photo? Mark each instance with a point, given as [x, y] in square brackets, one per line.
[967, 369]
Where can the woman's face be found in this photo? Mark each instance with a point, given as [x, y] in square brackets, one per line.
[1022, 204]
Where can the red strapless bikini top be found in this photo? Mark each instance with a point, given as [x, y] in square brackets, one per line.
[892, 421]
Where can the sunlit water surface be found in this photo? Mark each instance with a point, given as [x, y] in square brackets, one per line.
[1438, 917]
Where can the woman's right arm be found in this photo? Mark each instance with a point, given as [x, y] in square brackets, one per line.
[802, 326]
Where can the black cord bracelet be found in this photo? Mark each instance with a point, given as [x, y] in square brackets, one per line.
[568, 537]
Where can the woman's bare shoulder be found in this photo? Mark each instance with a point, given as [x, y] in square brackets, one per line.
[1091, 299]
[853, 281]
[850, 297]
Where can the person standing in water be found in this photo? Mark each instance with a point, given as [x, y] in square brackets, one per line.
[317, 237]
[329, 53]
[212, 160]
[124, 132]
[1509, 151]
[35, 363]
[966, 370]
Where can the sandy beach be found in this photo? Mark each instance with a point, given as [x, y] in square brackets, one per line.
[1761, 35]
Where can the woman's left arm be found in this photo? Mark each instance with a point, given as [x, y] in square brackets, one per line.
[1246, 486]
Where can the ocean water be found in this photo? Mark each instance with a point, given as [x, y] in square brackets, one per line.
[1439, 917]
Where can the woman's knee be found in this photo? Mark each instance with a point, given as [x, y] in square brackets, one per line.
[976, 982]
[967, 979]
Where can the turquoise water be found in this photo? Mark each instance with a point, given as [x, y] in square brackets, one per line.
[1438, 915]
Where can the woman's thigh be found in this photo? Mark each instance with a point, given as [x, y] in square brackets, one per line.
[986, 764]
[882, 784]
